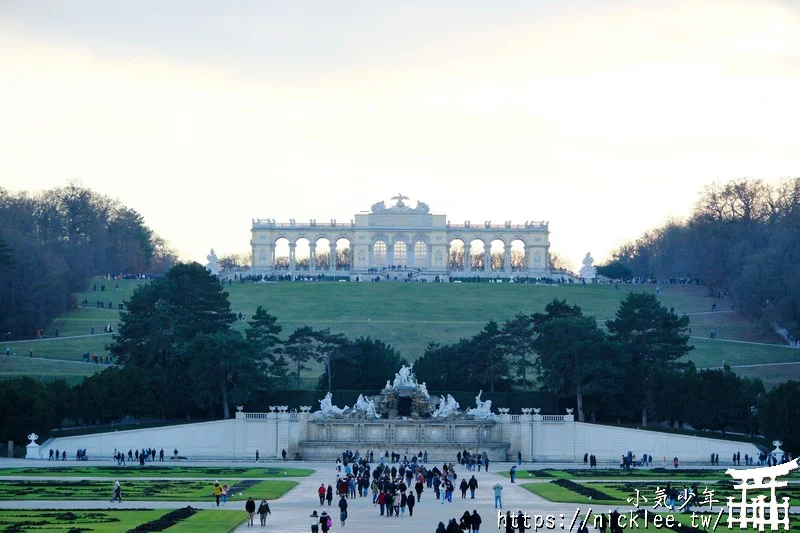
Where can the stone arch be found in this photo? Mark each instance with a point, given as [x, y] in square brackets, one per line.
[302, 253]
[518, 254]
[420, 237]
[497, 250]
[455, 253]
[280, 253]
[344, 252]
[400, 237]
[322, 252]
[477, 249]
[380, 237]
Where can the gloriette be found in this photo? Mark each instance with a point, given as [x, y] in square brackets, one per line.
[398, 240]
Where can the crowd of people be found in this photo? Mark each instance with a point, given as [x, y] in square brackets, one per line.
[396, 485]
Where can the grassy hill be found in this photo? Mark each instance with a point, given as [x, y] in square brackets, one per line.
[409, 316]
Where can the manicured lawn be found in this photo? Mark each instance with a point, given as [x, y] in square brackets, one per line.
[554, 493]
[159, 472]
[46, 369]
[138, 490]
[35, 521]
[214, 521]
[409, 316]
[620, 474]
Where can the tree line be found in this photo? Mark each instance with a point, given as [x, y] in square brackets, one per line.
[741, 238]
[51, 243]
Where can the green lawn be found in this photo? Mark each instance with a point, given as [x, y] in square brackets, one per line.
[410, 315]
[216, 521]
[36, 521]
[622, 475]
[137, 490]
[154, 471]
[46, 369]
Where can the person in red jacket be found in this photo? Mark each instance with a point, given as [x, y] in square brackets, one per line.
[321, 493]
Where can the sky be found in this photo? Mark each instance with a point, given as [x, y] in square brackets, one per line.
[603, 118]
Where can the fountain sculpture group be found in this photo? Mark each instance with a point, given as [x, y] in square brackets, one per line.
[405, 399]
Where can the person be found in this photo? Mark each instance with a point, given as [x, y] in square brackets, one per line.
[463, 488]
[519, 458]
[476, 521]
[410, 502]
[263, 511]
[329, 495]
[117, 493]
[283, 454]
[498, 499]
[325, 521]
[343, 509]
[314, 522]
[473, 484]
[513, 473]
[465, 523]
[675, 462]
[440, 528]
[224, 493]
[217, 491]
[250, 507]
[321, 493]
[256, 455]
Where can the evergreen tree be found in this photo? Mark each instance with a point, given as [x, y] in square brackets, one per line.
[363, 364]
[262, 332]
[653, 340]
[516, 341]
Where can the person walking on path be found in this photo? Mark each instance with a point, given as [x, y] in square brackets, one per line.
[519, 458]
[411, 501]
[343, 510]
[465, 523]
[329, 495]
[217, 491]
[325, 521]
[321, 493]
[250, 507]
[463, 488]
[498, 498]
[476, 521]
[263, 511]
[117, 493]
[473, 484]
[513, 473]
[314, 522]
[224, 493]
[257, 454]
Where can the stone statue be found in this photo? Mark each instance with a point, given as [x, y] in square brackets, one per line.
[423, 389]
[587, 270]
[422, 207]
[482, 410]
[404, 379]
[366, 406]
[33, 437]
[447, 406]
[326, 407]
[212, 263]
[388, 386]
[378, 207]
[399, 198]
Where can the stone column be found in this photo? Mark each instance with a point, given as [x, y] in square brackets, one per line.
[467, 258]
[271, 256]
[292, 247]
[312, 256]
[370, 256]
[332, 261]
[487, 258]
[507, 258]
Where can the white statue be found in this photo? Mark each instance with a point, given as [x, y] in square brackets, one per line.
[326, 406]
[367, 406]
[212, 263]
[404, 379]
[482, 410]
[588, 271]
[422, 207]
[424, 390]
[447, 407]
[388, 386]
[378, 207]
[33, 438]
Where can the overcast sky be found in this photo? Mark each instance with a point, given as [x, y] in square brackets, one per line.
[604, 118]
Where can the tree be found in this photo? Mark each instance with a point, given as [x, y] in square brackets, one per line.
[223, 368]
[162, 319]
[777, 415]
[559, 262]
[363, 364]
[299, 348]
[230, 262]
[574, 358]
[489, 359]
[517, 337]
[615, 270]
[327, 346]
[262, 332]
[653, 340]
